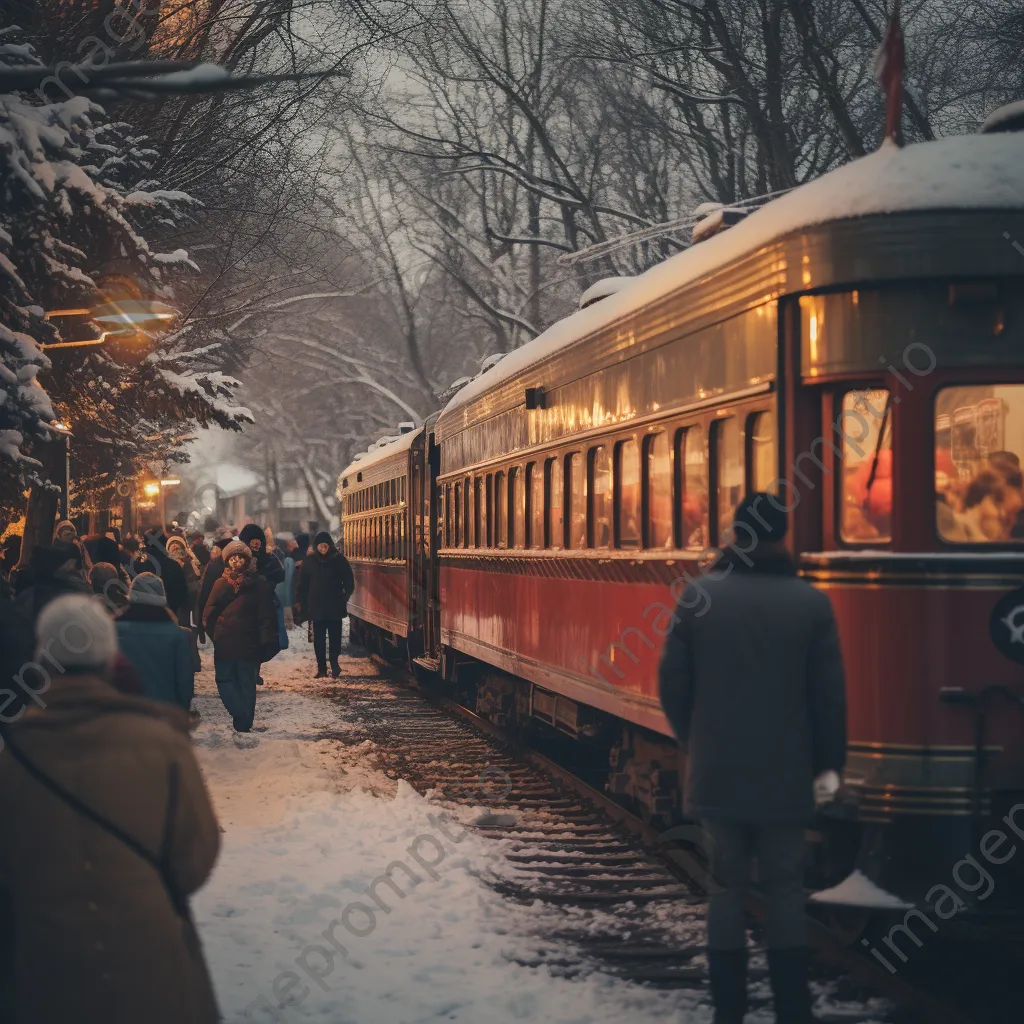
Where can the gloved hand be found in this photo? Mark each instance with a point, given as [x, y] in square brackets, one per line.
[826, 787]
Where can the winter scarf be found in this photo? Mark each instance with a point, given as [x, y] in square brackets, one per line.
[236, 577]
[182, 553]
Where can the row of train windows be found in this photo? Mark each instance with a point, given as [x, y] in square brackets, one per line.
[382, 495]
[381, 537]
[653, 494]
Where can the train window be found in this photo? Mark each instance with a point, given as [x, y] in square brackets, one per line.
[499, 510]
[627, 495]
[599, 527]
[866, 428]
[456, 514]
[979, 442]
[554, 487]
[479, 514]
[402, 552]
[401, 493]
[694, 515]
[535, 508]
[388, 549]
[516, 508]
[761, 460]
[728, 475]
[466, 504]
[576, 499]
[658, 489]
[449, 516]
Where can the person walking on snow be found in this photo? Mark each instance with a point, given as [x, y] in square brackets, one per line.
[751, 680]
[239, 618]
[108, 829]
[325, 585]
[150, 637]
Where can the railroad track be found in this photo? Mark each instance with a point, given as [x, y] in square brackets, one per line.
[631, 911]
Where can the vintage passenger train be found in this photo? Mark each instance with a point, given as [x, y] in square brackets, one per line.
[857, 347]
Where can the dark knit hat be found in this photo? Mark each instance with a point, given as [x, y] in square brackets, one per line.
[251, 532]
[761, 514]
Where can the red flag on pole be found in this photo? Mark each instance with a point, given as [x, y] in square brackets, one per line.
[889, 62]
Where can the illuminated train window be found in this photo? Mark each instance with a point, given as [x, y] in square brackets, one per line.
[535, 514]
[728, 474]
[516, 508]
[865, 425]
[627, 495]
[599, 528]
[694, 511]
[576, 499]
[554, 490]
[658, 490]
[979, 442]
[500, 512]
[761, 457]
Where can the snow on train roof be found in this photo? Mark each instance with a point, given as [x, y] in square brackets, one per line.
[400, 444]
[961, 172]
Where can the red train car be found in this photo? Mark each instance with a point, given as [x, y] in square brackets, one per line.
[857, 347]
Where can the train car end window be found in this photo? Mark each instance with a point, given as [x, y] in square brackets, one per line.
[627, 495]
[865, 515]
[979, 443]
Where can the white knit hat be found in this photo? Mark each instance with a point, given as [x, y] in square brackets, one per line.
[147, 588]
[74, 633]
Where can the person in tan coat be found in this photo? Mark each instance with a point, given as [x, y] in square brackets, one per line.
[107, 829]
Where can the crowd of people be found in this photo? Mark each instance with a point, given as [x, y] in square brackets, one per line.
[99, 646]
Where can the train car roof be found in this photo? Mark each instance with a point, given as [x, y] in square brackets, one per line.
[958, 173]
[400, 444]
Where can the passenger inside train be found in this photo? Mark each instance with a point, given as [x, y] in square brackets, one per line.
[979, 485]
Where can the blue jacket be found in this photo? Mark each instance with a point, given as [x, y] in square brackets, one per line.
[161, 652]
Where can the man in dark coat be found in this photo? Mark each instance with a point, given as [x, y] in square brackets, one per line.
[199, 548]
[240, 619]
[752, 682]
[325, 585]
[175, 585]
[56, 570]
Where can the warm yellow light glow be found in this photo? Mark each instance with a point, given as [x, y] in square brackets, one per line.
[152, 489]
[169, 483]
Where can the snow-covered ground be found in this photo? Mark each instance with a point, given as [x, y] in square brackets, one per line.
[299, 923]
[288, 927]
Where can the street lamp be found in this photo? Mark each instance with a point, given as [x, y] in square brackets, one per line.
[65, 486]
[124, 316]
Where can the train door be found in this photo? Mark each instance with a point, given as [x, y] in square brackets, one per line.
[433, 512]
[418, 549]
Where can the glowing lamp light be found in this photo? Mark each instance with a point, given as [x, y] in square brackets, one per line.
[169, 483]
[152, 489]
[133, 311]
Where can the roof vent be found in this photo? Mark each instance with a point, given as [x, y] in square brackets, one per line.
[492, 360]
[1005, 119]
[406, 426]
[714, 218]
[602, 289]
